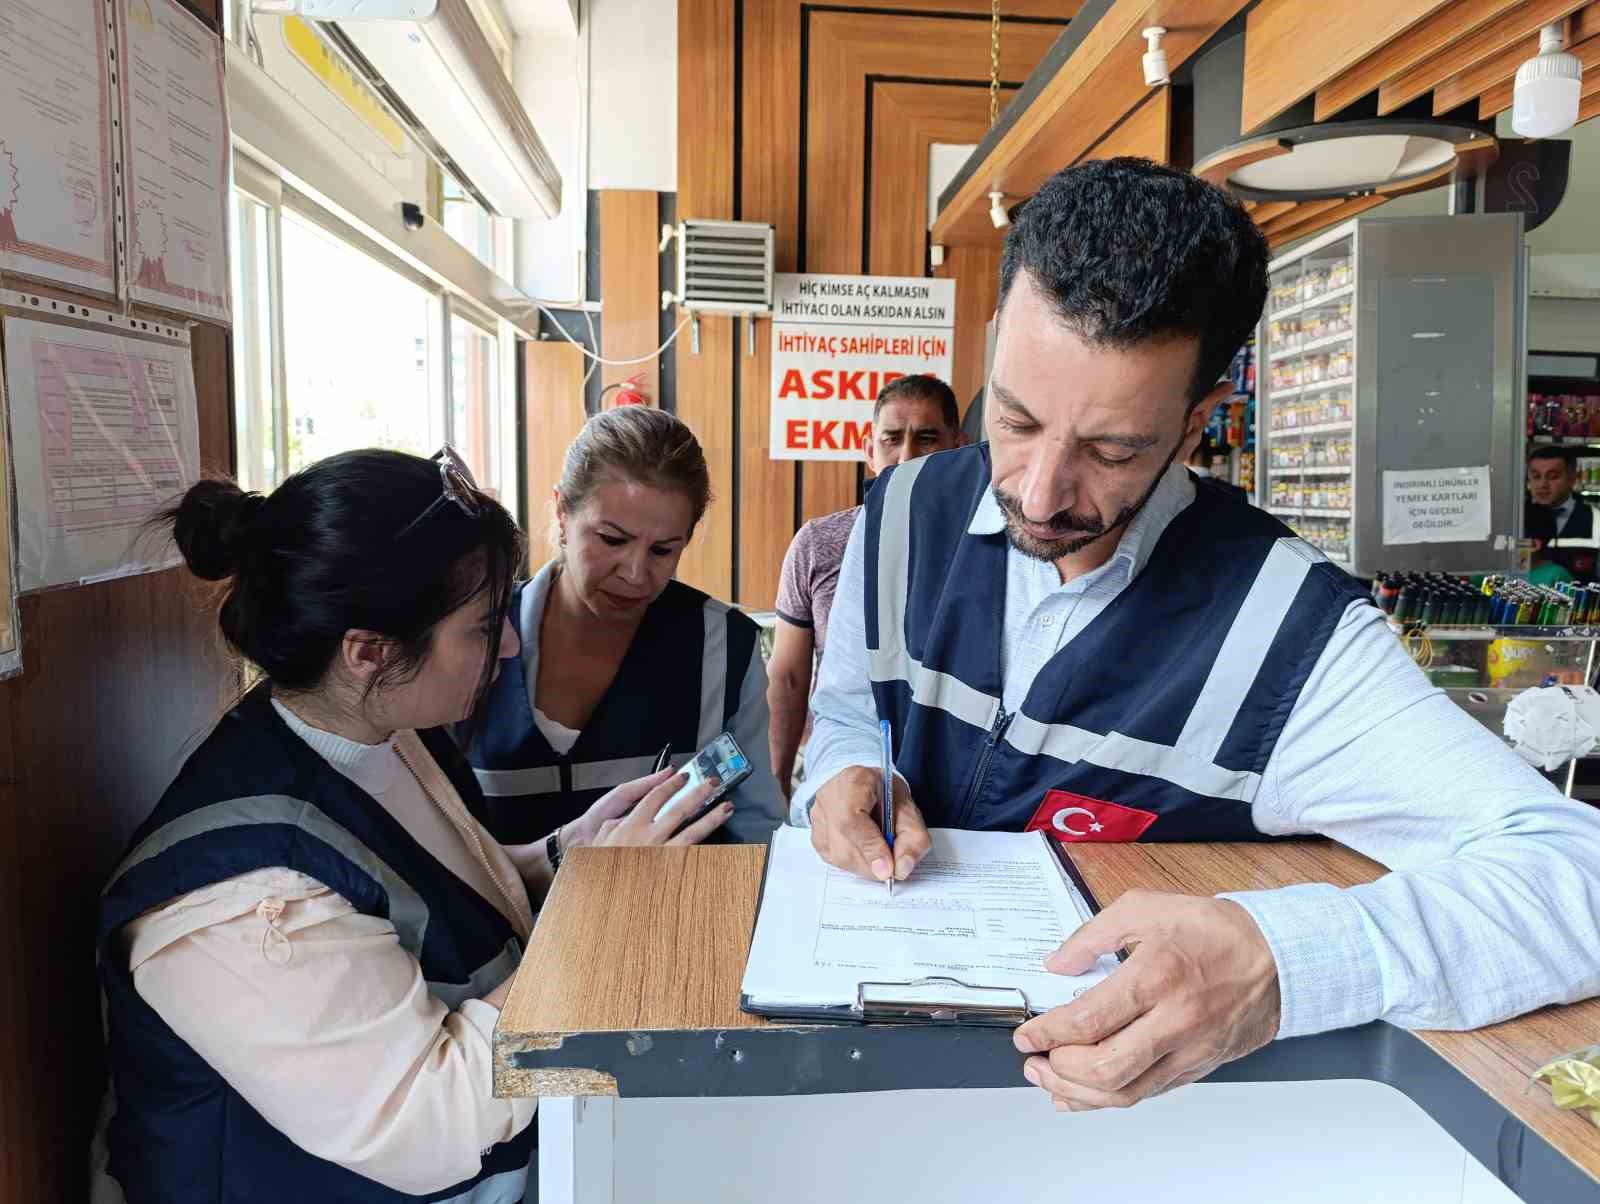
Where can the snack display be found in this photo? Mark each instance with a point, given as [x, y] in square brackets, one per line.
[1335, 405]
[1564, 415]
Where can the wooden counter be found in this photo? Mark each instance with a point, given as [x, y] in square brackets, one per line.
[631, 986]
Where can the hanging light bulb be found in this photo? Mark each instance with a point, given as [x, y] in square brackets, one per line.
[1545, 101]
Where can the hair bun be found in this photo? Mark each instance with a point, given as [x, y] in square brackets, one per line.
[210, 525]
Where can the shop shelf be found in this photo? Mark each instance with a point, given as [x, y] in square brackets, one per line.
[1327, 340]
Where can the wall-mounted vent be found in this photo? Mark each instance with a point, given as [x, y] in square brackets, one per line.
[724, 267]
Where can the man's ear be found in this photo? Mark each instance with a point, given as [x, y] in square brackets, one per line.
[1194, 424]
[364, 654]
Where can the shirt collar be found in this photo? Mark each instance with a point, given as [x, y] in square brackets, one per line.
[1170, 499]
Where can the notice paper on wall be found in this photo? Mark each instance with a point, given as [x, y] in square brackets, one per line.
[104, 430]
[57, 207]
[10, 628]
[836, 341]
[175, 150]
[1436, 505]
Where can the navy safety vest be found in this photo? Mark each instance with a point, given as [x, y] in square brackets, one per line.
[1168, 703]
[254, 795]
[679, 683]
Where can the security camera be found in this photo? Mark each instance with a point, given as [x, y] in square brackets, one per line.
[997, 210]
[1155, 58]
[411, 215]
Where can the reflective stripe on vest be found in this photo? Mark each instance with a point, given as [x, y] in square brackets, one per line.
[1190, 763]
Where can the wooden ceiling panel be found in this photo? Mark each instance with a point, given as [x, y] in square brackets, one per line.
[1499, 98]
[1091, 93]
[1292, 47]
[1318, 217]
[1416, 45]
[1146, 132]
[1463, 87]
[1487, 41]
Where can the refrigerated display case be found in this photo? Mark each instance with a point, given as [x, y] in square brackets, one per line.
[1393, 345]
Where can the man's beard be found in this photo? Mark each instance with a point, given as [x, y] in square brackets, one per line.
[1076, 533]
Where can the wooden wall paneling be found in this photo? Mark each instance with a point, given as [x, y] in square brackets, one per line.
[1489, 40]
[706, 75]
[1267, 211]
[769, 192]
[1291, 48]
[630, 286]
[907, 119]
[1416, 45]
[120, 682]
[553, 372]
[1498, 99]
[1091, 93]
[845, 49]
[1589, 108]
[976, 271]
[1145, 132]
[1011, 10]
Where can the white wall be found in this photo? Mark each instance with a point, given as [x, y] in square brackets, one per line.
[550, 69]
[1558, 324]
[633, 91]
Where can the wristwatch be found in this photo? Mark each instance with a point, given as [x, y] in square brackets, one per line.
[552, 849]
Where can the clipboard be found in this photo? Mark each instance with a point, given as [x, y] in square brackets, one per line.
[931, 1000]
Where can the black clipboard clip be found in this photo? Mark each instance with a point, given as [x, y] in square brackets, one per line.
[939, 1000]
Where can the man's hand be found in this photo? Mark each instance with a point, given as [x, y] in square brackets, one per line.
[1200, 989]
[847, 830]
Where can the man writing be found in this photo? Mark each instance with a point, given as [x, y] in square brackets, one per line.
[1067, 634]
[913, 416]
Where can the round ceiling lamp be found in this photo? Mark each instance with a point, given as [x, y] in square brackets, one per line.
[1296, 158]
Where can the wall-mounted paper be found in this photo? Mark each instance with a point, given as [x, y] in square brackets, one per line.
[104, 430]
[1436, 505]
[56, 199]
[175, 155]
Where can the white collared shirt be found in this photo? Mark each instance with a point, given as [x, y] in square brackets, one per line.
[1494, 905]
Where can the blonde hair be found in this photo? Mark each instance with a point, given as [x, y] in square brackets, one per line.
[641, 445]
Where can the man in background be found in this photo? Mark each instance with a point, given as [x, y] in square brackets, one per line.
[913, 416]
[1200, 464]
[1552, 479]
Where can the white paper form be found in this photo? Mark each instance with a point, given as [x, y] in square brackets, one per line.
[984, 908]
[176, 148]
[56, 200]
[103, 431]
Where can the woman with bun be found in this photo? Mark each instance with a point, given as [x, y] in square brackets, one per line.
[621, 662]
[305, 950]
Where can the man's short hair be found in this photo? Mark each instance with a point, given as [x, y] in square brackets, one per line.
[924, 386]
[1567, 455]
[1127, 251]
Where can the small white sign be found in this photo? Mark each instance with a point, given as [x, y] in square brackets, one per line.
[1436, 505]
[836, 341]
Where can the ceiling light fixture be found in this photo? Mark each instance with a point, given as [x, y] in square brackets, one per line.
[997, 210]
[1155, 58]
[1548, 88]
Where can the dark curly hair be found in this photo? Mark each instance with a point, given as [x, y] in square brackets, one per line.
[1127, 251]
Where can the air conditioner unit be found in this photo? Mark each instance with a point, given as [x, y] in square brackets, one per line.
[723, 267]
[431, 60]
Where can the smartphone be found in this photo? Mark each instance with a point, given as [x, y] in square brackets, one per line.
[722, 758]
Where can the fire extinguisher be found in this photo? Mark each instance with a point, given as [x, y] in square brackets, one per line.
[630, 392]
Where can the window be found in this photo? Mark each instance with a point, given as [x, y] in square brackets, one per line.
[339, 344]
[474, 414]
[470, 224]
[255, 342]
[357, 339]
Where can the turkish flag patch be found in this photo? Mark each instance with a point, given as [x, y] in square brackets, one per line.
[1077, 817]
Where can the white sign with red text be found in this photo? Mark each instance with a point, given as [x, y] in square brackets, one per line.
[836, 341]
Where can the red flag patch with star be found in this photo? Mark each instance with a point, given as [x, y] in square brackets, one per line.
[1077, 817]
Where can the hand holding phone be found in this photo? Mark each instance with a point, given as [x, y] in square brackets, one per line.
[722, 759]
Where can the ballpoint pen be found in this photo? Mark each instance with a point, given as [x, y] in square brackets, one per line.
[887, 753]
[663, 758]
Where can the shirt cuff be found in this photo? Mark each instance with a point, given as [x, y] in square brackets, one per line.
[1328, 974]
[482, 1016]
